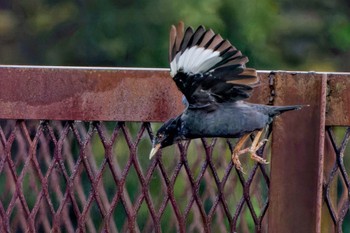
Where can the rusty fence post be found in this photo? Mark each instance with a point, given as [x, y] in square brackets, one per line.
[297, 154]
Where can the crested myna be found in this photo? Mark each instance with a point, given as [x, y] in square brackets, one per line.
[211, 74]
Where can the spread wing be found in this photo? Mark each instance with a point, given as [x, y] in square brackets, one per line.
[208, 69]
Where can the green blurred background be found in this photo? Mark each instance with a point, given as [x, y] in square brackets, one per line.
[282, 35]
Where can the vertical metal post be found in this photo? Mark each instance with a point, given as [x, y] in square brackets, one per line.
[297, 154]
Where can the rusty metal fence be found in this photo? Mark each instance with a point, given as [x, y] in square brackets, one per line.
[74, 145]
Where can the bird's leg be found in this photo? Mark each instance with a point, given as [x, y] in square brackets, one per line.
[251, 150]
[255, 147]
[237, 151]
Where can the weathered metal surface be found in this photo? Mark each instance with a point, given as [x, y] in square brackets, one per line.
[87, 94]
[338, 100]
[92, 93]
[297, 155]
[105, 94]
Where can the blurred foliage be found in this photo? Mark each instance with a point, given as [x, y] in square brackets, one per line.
[285, 34]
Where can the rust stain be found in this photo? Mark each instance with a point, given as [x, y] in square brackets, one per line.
[338, 101]
[131, 94]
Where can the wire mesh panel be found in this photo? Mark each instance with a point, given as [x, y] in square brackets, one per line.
[66, 176]
[336, 180]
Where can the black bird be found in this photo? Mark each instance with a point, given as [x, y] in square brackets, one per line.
[212, 75]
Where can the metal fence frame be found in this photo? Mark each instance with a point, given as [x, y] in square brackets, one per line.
[299, 138]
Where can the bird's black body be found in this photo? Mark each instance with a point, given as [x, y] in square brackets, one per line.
[211, 74]
[229, 120]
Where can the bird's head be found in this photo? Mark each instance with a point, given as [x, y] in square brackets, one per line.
[167, 135]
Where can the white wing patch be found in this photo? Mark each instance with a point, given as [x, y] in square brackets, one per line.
[194, 60]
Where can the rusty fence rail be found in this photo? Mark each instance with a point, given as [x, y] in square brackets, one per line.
[74, 146]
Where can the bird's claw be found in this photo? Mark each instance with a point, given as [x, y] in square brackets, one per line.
[257, 158]
[254, 156]
[235, 159]
[237, 163]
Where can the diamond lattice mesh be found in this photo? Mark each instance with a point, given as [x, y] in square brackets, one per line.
[336, 180]
[67, 176]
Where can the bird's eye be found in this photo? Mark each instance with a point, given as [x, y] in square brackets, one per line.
[160, 136]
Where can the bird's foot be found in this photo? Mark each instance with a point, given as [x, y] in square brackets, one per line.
[254, 156]
[235, 159]
[252, 151]
[237, 163]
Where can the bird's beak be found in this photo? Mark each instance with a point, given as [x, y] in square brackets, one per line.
[154, 150]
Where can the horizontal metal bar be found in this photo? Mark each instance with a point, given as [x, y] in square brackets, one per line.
[148, 68]
[128, 94]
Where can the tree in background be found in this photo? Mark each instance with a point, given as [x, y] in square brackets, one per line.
[296, 35]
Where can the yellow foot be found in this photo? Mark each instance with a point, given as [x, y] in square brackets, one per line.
[235, 158]
[254, 156]
[237, 163]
